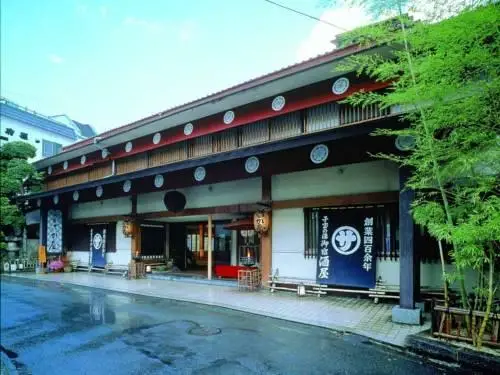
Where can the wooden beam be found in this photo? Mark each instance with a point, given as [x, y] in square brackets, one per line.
[338, 200]
[266, 257]
[209, 263]
[229, 209]
[99, 219]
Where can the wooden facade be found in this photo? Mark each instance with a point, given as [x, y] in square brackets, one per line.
[316, 119]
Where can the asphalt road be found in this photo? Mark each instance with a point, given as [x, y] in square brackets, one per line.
[59, 329]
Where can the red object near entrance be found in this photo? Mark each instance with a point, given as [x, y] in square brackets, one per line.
[230, 272]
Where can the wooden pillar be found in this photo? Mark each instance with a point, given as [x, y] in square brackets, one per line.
[201, 242]
[42, 232]
[265, 239]
[409, 264]
[209, 248]
[136, 238]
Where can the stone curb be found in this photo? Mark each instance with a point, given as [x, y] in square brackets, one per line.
[11, 368]
[465, 357]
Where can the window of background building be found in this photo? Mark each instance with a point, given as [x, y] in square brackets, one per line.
[50, 148]
[9, 131]
[3, 138]
[23, 135]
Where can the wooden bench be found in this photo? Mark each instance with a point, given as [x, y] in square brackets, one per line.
[294, 285]
[116, 269]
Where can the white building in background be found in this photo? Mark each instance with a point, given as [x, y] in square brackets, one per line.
[49, 134]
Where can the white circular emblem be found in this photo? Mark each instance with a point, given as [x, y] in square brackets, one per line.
[346, 240]
[200, 174]
[98, 191]
[228, 117]
[128, 146]
[156, 138]
[49, 169]
[278, 103]
[127, 185]
[104, 153]
[76, 195]
[38, 202]
[252, 164]
[405, 142]
[159, 181]
[65, 165]
[319, 154]
[340, 86]
[188, 129]
[56, 199]
[97, 241]
[83, 160]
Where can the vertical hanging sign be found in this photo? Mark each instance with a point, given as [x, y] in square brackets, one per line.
[54, 232]
[346, 244]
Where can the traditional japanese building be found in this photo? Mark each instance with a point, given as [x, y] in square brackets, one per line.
[283, 145]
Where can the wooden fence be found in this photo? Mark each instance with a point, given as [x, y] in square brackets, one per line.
[451, 323]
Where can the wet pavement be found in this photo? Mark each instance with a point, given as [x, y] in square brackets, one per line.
[48, 327]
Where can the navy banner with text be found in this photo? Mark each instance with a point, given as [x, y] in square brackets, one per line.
[346, 251]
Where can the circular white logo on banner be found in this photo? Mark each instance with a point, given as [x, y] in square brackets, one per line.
[56, 199]
[65, 165]
[200, 174]
[49, 169]
[340, 86]
[228, 117]
[278, 103]
[158, 181]
[97, 241]
[99, 191]
[104, 153]
[83, 160]
[156, 138]
[127, 185]
[252, 164]
[128, 146]
[76, 195]
[188, 129]
[319, 154]
[346, 240]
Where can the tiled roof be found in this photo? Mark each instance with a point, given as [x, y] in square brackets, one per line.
[86, 130]
[285, 71]
[18, 113]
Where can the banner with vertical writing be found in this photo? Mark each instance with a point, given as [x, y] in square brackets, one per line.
[346, 253]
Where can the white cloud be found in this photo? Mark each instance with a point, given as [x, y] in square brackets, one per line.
[321, 36]
[55, 59]
[151, 26]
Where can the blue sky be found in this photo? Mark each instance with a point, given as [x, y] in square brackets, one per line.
[111, 62]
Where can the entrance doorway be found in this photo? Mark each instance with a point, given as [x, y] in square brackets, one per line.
[189, 245]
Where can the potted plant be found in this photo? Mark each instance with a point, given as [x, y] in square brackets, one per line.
[56, 265]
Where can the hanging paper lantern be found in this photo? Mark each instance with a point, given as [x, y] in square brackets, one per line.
[261, 222]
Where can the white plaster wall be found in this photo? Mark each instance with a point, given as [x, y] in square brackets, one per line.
[106, 207]
[123, 253]
[79, 256]
[224, 193]
[34, 134]
[373, 176]
[288, 245]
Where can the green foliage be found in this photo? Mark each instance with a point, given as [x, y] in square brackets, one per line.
[16, 174]
[445, 78]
